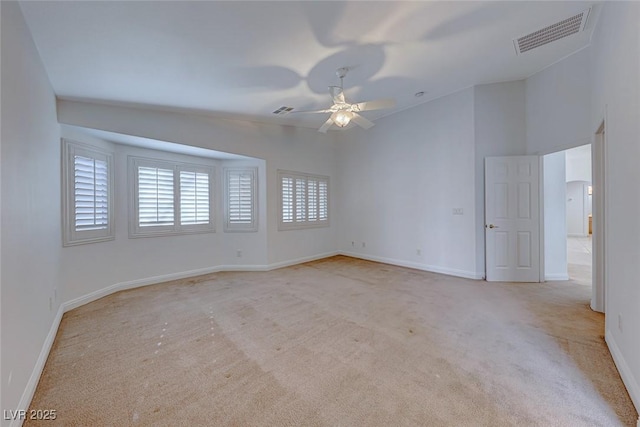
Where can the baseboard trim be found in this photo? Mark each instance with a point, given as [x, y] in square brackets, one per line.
[131, 284]
[138, 283]
[555, 277]
[302, 260]
[625, 372]
[418, 266]
[32, 384]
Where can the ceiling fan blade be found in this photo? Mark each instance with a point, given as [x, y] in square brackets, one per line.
[361, 121]
[326, 125]
[312, 111]
[337, 94]
[378, 104]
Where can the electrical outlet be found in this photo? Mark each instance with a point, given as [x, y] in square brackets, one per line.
[353, 244]
[418, 252]
[458, 211]
[620, 322]
[239, 253]
[364, 245]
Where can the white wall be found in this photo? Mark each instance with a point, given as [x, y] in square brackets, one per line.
[555, 226]
[31, 236]
[499, 120]
[558, 104]
[615, 85]
[400, 181]
[578, 208]
[578, 178]
[578, 163]
[282, 147]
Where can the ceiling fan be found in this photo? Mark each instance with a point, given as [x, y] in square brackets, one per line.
[342, 113]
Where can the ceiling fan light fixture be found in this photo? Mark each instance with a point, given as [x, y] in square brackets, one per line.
[342, 118]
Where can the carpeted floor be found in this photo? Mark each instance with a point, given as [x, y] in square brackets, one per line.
[335, 342]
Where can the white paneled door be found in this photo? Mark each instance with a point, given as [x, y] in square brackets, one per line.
[512, 215]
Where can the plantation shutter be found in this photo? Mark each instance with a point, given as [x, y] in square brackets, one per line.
[91, 194]
[194, 198]
[304, 200]
[155, 196]
[312, 195]
[323, 201]
[301, 200]
[287, 199]
[240, 197]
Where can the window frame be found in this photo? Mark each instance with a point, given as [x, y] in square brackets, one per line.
[138, 231]
[232, 227]
[71, 236]
[299, 225]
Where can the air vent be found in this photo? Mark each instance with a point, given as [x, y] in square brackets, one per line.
[283, 110]
[554, 32]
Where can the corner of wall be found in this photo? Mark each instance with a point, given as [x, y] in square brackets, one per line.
[623, 367]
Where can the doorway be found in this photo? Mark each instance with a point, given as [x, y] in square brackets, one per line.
[579, 214]
[578, 252]
[568, 193]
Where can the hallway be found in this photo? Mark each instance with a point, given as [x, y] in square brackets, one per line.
[579, 259]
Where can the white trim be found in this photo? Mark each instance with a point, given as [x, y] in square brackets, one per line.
[424, 267]
[555, 277]
[138, 283]
[32, 384]
[541, 224]
[153, 280]
[625, 372]
[302, 260]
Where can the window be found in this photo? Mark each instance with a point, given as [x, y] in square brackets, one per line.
[87, 194]
[170, 198]
[304, 200]
[240, 199]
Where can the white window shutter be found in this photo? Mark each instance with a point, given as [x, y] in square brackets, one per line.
[194, 198]
[323, 201]
[170, 198]
[87, 194]
[241, 199]
[312, 195]
[287, 199]
[155, 196]
[301, 200]
[304, 200]
[91, 196]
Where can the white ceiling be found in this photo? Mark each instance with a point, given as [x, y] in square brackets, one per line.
[244, 60]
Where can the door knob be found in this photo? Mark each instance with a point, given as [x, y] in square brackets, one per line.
[491, 226]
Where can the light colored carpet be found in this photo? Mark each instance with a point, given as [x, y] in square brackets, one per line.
[579, 259]
[335, 342]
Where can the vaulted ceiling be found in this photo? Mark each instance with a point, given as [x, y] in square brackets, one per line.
[246, 59]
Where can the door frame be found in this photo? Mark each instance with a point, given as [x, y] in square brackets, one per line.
[599, 261]
[599, 253]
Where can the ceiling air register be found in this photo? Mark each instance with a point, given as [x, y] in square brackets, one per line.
[554, 32]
